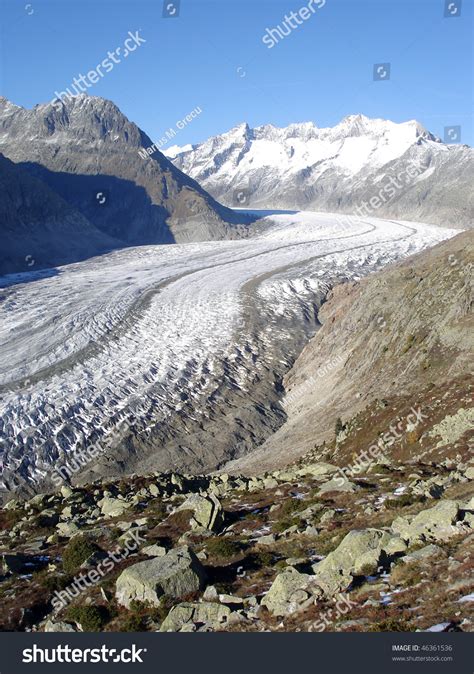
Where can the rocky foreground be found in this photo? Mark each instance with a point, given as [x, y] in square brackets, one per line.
[387, 547]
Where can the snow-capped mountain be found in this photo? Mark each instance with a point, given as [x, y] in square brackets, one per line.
[337, 169]
[87, 152]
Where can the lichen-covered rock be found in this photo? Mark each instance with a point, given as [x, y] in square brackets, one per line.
[205, 613]
[207, 511]
[423, 553]
[176, 574]
[340, 483]
[290, 591]
[113, 507]
[51, 626]
[67, 529]
[154, 550]
[434, 524]
[360, 553]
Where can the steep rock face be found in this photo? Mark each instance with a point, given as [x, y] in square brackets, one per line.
[403, 333]
[407, 170]
[38, 228]
[87, 151]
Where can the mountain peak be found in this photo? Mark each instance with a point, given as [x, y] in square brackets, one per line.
[331, 168]
[358, 118]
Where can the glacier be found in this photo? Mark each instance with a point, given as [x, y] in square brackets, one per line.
[148, 333]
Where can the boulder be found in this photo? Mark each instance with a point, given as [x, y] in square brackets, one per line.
[67, 529]
[327, 516]
[112, 507]
[270, 483]
[310, 513]
[51, 626]
[208, 513]
[210, 593]
[290, 591]
[423, 553]
[154, 490]
[206, 613]
[154, 550]
[360, 553]
[38, 501]
[176, 574]
[468, 520]
[434, 524]
[268, 539]
[340, 483]
[231, 600]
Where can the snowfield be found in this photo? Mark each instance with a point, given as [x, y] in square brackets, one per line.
[143, 331]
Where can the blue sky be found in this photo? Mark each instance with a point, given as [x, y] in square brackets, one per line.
[212, 56]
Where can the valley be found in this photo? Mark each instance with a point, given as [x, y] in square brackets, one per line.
[183, 347]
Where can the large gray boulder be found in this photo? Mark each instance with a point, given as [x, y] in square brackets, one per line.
[176, 574]
[113, 507]
[290, 591]
[340, 483]
[67, 529]
[434, 524]
[206, 613]
[360, 553]
[208, 512]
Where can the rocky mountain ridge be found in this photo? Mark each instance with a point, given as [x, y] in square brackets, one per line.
[87, 152]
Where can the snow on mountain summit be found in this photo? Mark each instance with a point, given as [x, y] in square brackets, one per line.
[356, 142]
[303, 166]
